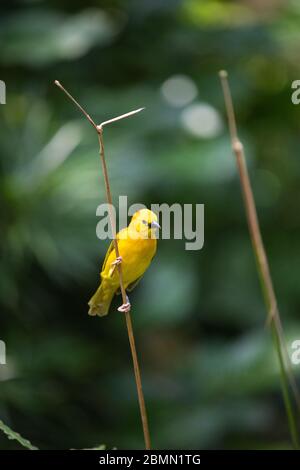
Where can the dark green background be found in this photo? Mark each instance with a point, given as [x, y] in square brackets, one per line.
[209, 370]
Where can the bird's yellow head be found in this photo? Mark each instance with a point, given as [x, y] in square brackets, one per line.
[144, 223]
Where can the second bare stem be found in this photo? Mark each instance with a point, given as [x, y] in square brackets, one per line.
[286, 374]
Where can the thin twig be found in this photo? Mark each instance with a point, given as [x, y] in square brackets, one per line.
[131, 113]
[262, 264]
[16, 436]
[99, 129]
[57, 83]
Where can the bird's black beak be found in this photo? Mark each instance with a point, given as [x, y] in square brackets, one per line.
[155, 224]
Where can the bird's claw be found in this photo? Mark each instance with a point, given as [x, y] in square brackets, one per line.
[125, 308]
[117, 261]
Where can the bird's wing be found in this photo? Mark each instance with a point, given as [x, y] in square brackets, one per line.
[131, 286]
[111, 248]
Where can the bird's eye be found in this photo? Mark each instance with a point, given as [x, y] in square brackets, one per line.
[145, 222]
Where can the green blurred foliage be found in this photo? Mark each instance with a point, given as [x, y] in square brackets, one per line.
[209, 370]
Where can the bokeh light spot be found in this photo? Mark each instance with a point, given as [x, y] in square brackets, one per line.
[201, 120]
[179, 90]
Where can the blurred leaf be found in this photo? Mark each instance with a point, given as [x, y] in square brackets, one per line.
[38, 38]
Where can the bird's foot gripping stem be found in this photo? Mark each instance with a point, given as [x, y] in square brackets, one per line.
[114, 264]
[117, 261]
[125, 308]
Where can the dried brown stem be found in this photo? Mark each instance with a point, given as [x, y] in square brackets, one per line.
[137, 374]
[261, 257]
[57, 83]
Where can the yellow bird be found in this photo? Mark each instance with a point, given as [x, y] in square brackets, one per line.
[137, 247]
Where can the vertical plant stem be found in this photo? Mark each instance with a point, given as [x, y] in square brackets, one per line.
[287, 377]
[137, 373]
[136, 367]
[285, 390]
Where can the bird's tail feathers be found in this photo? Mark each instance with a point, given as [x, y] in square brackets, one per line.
[100, 302]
